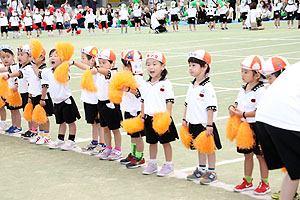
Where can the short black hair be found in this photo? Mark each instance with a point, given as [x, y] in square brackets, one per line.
[7, 51]
[278, 73]
[200, 62]
[51, 52]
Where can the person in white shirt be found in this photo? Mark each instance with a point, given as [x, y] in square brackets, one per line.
[254, 21]
[277, 9]
[243, 10]
[266, 14]
[14, 21]
[38, 19]
[174, 12]
[137, 14]
[90, 19]
[59, 18]
[124, 16]
[3, 25]
[155, 25]
[200, 113]
[48, 21]
[192, 12]
[210, 12]
[102, 19]
[277, 119]
[290, 8]
[244, 108]
[74, 24]
[230, 14]
[223, 8]
[15, 5]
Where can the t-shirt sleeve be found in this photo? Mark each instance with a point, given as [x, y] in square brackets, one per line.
[211, 99]
[170, 97]
[259, 94]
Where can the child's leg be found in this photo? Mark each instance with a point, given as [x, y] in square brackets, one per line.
[190, 27]
[153, 151]
[248, 166]
[118, 138]
[177, 25]
[45, 127]
[121, 28]
[3, 114]
[211, 160]
[209, 25]
[126, 28]
[225, 24]
[168, 151]
[139, 25]
[202, 162]
[30, 33]
[62, 130]
[139, 147]
[100, 131]
[95, 132]
[72, 131]
[16, 118]
[107, 136]
[214, 24]
[288, 187]
[135, 27]
[264, 172]
[194, 27]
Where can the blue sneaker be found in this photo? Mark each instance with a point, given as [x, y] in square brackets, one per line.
[17, 130]
[9, 129]
[197, 174]
[208, 178]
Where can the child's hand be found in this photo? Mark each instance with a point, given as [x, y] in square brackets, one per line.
[29, 100]
[209, 130]
[42, 103]
[142, 120]
[5, 77]
[125, 89]
[238, 113]
[231, 110]
[94, 70]
[15, 88]
[184, 123]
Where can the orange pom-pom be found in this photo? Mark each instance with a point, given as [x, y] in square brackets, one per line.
[204, 143]
[120, 80]
[36, 48]
[283, 170]
[61, 73]
[28, 112]
[39, 115]
[244, 138]
[3, 87]
[2, 103]
[161, 122]
[65, 50]
[14, 99]
[87, 81]
[232, 127]
[185, 137]
[133, 125]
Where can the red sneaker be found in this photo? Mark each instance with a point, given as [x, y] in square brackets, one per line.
[262, 189]
[244, 186]
[135, 163]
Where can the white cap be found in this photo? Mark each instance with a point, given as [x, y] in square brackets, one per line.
[253, 62]
[24, 48]
[156, 56]
[274, 64]
[201, 55]
[90, 50]
[135, 58]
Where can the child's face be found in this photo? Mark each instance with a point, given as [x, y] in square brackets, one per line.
[54, 59]
[248, 76]
[39, 60]
[6, 58]
[23, 58]
[154, 67]
[84, 59]
[271, 78]
[195, 69]
[105, 63]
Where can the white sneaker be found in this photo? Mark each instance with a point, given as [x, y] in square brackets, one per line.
[43, 140]
[69, 145]
[3, 126]
[35, 139]
[2, 38]
[115, 155]
[56, 144]
[7, 37]
[105, 154]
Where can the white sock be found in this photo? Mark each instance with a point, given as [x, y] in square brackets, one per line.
[169, 162]
[154, 161]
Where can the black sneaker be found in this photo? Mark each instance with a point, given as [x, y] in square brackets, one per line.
[135, 163]
[226, 28]
[127, 160]
[28, 134]
[222, 29]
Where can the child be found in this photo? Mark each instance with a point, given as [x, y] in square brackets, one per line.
[200, 113]
[137, 14]
[38, 94]
[124, 16]
[14, 21]
[131, 104]
[174, 11]
[244, 9]
[155, 25]
[192, 11]
[28, 22]
[90, 19]
[245, 108]
[65, 109]
[277, 8]
[3, 25]
[48, 20]
[290, 13]
[103, 20]
[110, 113]
[298, 14]
[254, 18]
[210, 11]
[164, 12]
[223, 7]
[38, 19]
[158, 96]
[273, 67]
[59, 18]
[74, 24]
[266, 14]
[90, 100]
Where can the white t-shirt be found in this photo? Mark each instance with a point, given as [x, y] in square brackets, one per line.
[266, 14]
[174, 11]
[230, 16]
[223, 10]
[253, 15]
[11, 69]
[244, 8]
[248, 101]
[49, 20]
[210, 11]
[27, 21]
[23, 79]
[89, 97]
[35, 84]
[123, 14]
[192, 12]
[59, 17]
[14, 21]
[102, 83]
[277, 6]
[199, 100]
[73, 21]
[156, 95]
[3, 21]
[154, 22]
[280, 105]
[102, 18]
[137, 12]
[90, 18]
[37, 18]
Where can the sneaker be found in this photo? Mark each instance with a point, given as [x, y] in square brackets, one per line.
[222, 29]
[244, 186]
[262, 189]
[43, 140]
[89, 147]
[135, 163]
[208, 178]
[104, 155]
[17, 130]
[56, 144]
[226, 28]
[127, 160]
[35, 139]
[150, 169]
[275, 195]
[9, 129]
[166, 170]
[3, 126]
[197, 174]
[27, 135]
[97, 150]
[115, 155]
[68, 145]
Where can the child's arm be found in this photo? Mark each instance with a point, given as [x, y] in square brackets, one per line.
[242, 114]
[80, 65]
[209, 124]
[169, 107]
[15, 87]
[103, 71]
[14, 74]
[3, 69]
[184, 122]
[29, 98]
[44, 94]
[142, 112]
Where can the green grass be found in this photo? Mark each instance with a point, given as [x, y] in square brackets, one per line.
[34, 172]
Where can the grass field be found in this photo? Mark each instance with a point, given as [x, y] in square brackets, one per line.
[35, 172]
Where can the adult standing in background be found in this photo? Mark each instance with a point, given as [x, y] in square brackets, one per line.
[233, 5]
[16, 5]
[67, 7]
[39, 4]
[110, 13]
[93, 4]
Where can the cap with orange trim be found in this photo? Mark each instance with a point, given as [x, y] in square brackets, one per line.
[24, 48]
[90, 50]
[201, 55]
[134, 57]
[107, 54]
[253, 62]
[274, 64]
[156, 56]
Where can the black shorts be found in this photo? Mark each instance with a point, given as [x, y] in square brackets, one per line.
[49, 28]
[162, 21]
[110, 117]
[59, 25]
[4, 29]
[223, 18]
[153, 138]
[91, 113]
[174, 18]
[15, 28]
[66, 112]
[217, 18]
[276, 14]
[210, 18]
[244, 16]
[29, 28]
[39, 25]
[103, 24]
[49, 109]
[289, 16]
[142, 133]
[91, 25]
[191, 20]
[124, 22]
[298, 16]
[74, 27]
[281, 148]
[196, 129]
[137, 19]
[256, 148]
